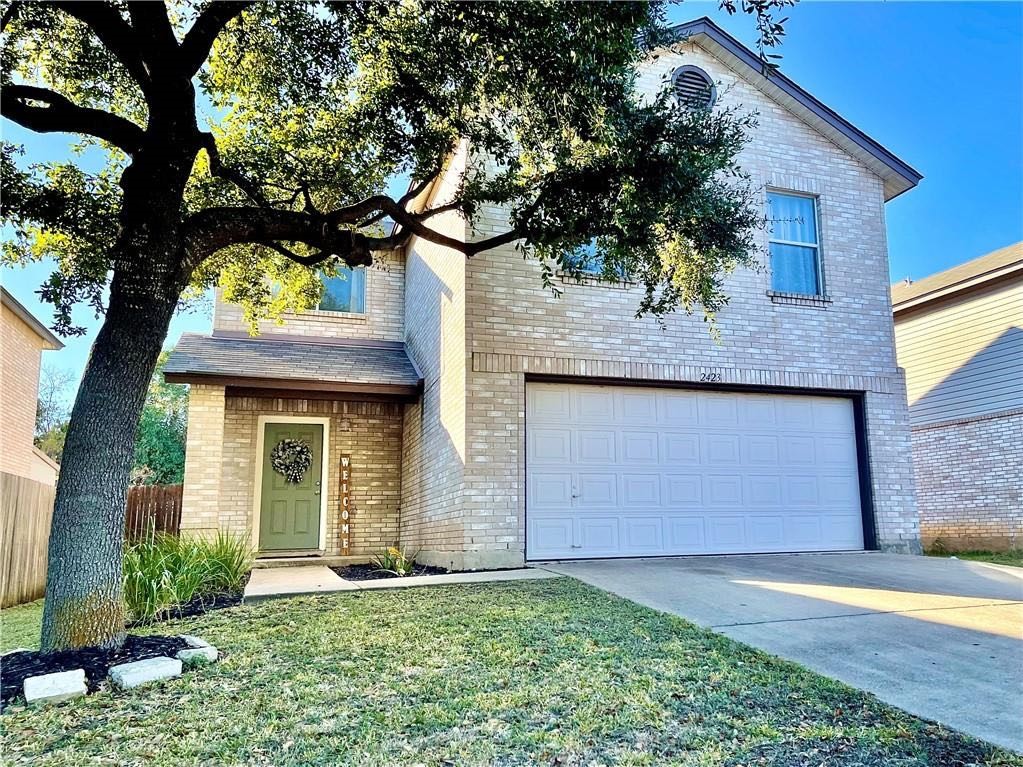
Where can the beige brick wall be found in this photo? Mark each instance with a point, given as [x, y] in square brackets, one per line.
[434, 441]
[20, 354]
[970, 482]
[382, 321]
[515, 327]
[371, 432]
[201, 507]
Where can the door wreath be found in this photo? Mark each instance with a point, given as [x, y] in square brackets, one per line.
[291, 458]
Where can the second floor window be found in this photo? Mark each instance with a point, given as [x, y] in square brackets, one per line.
[346, 292]
[794, 244]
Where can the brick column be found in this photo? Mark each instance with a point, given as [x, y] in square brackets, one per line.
[204, 455]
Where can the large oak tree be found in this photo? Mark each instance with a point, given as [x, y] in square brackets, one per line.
[245, 141]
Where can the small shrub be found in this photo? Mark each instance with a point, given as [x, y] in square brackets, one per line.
[164, 573]
[396, 562]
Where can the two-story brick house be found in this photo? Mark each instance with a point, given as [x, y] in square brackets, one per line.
[486, 422]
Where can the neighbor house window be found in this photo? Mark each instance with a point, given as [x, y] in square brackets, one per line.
[794, 244]
[346, 292]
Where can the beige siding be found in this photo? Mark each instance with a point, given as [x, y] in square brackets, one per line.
[19, 392]
[382, 321]
[964, 356]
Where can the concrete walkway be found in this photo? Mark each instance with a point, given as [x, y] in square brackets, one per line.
[273, 583]
[939, 638]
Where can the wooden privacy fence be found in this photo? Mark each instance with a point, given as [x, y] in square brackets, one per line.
[26, 507]
[152, 508]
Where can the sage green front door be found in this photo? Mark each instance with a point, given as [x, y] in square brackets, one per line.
[289, 512]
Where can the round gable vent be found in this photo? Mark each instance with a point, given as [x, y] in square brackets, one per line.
[693, 87]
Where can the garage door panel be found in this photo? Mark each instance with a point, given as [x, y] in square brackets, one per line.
[800, 490]
[551, 536]
[722, 490]
[639, 447]
[644, 534]
[726, 533]
[758, 412]
[763, 491]
[767, 532]
[681, 449]
[760, 450]
[719, 410]
[686, 535]
[548, 445]
[641, 490]
[550, 403]
[550, 490]
[595, 406]
[599, 490]
[832, 416]
[599, 535]
[639, 405]
[683, 490]
[679, 409]
[721, 449]
[598, 447]
[615, 471]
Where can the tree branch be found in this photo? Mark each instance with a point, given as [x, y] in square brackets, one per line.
[251, 189]
[114, 32]
[198, 42]
[61, 115]
[149, 19]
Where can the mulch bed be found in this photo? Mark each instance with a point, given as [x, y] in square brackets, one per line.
[197, 606]
[16, 667]
[372, 573]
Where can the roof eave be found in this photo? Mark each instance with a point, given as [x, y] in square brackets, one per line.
[19, 310]
[298, 385]
[898, 176]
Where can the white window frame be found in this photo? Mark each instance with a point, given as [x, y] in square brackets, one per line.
[771, 240]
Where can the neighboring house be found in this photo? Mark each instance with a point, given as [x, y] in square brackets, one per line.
[467, 413]
[959, 335]
[23, 340]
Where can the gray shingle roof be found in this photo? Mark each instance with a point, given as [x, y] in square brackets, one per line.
[971, 270]
[293, 361]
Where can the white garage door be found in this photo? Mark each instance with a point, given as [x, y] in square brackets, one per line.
[617, 471]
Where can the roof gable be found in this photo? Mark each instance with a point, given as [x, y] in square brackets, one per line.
[897, 175]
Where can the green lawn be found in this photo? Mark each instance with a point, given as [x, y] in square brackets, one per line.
[1013, 557]
[19, 626]
[528, 673]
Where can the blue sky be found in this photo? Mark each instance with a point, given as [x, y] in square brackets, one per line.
[939, 84]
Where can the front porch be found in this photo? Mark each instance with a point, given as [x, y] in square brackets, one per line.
[344, 506]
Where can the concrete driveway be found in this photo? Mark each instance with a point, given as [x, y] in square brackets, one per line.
[940, 638]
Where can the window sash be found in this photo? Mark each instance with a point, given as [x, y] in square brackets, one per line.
[345, 294]
[789, 272]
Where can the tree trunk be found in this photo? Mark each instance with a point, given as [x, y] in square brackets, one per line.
[84, 604]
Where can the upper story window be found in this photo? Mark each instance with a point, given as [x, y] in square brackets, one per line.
[693, 87]
[794, 244]
[589, 262]
[346, 292]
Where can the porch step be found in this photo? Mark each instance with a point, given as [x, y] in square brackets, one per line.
[262, 563]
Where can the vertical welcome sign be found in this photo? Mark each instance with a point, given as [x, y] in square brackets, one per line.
[346, 505]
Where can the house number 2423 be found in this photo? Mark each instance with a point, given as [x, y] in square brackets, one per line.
[710, 377]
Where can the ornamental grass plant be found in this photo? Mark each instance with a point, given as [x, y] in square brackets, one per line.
[166, 574]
